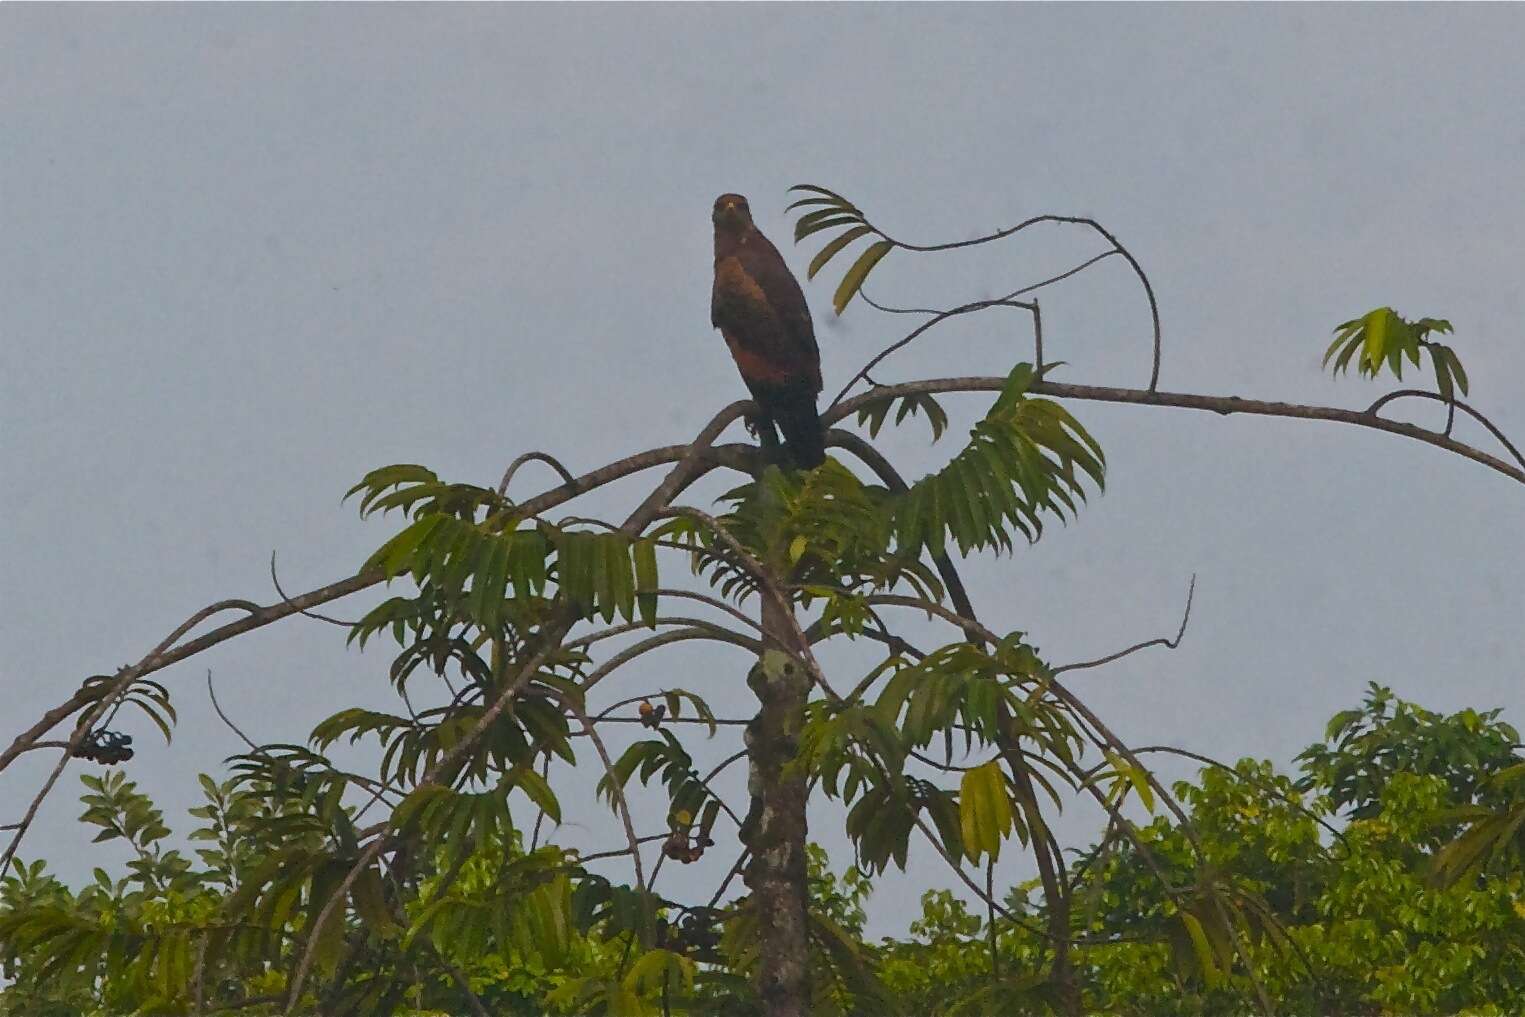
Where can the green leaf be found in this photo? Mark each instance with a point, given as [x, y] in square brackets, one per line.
[538, 791]
[985, 811]
[831, 250]
[369, 899]
[853, 280]
[823, 219]
[646, 581]
[1377, 329]
[1203, 949]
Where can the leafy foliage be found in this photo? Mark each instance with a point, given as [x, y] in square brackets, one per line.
[1382, 338]
[830, 210]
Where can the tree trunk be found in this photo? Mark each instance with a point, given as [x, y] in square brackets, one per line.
[1055, 894]
[775, 828]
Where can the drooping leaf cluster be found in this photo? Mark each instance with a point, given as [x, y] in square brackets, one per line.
[1382, 338]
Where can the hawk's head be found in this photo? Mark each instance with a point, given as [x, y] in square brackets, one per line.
[732, 213]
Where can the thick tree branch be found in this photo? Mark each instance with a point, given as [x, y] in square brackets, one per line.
[1223, 405]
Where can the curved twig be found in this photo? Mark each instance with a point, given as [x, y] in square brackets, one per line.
[616, 789]
[212, 693]
[645, 646]
[1138, 270]
[1453, 405]
[701, 598]
[544, 457]
[1010, 296]
[1161, 641]
[900, 344]
[720, 631]
[275, 580]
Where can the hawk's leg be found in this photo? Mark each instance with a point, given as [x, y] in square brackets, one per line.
[761, 427]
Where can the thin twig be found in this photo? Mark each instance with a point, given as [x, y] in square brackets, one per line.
[619, 852]
[741, 861]
[1014, 293]
[1162, 641]
[301, 611]
[212, 693]
[1453, 405]
[645, 646]
[544, 457]
[1117, 247]
[616, 791]
[662, 621]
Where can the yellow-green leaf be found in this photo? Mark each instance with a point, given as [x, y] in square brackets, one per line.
[830, 250]
[985, 811]
[853, 280]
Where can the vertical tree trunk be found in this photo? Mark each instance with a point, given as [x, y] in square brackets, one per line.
[1055, 893]
[775, 827]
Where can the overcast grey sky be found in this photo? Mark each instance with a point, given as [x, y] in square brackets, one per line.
[249, 252]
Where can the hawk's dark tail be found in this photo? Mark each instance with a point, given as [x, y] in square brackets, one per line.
[804, 437]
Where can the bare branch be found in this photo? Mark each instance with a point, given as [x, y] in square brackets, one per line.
[274, 579]
[1138, 270]
[1162, 641]
[1010, 296]
[720, 632]
[617, 790]
[635, 650]
[1453, 405]
[741, 861]
[619, 852]
[1223, 405]
[544, 457]
[212, 693]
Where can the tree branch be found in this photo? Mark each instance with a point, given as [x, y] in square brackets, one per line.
[1162, 641]
[1452, 405]
[544, 457]
[1223, 405]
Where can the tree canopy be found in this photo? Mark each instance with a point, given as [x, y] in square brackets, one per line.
[1383, 876]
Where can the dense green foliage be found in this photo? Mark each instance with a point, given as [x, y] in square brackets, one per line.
[1327, 876]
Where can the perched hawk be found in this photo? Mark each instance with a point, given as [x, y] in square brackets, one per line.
[759, 309]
